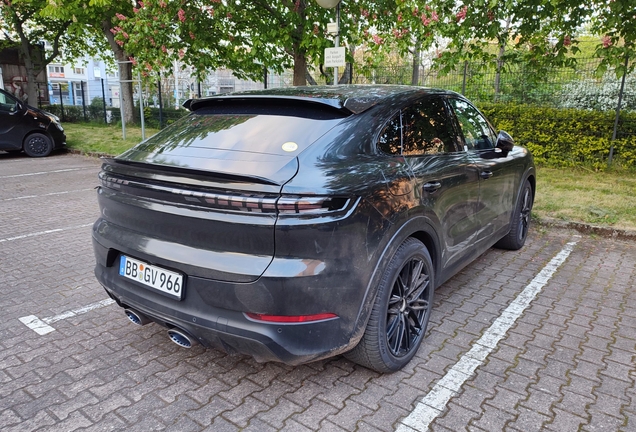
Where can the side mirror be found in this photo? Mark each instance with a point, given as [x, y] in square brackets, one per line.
[505, 142]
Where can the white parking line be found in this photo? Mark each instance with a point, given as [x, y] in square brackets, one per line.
[434, 403]
[44, 232]
[45, 172]
[42, 327]
[46, 195]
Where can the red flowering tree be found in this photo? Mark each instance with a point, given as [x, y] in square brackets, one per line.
[245, 36]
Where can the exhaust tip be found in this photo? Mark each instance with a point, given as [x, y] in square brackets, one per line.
[180, 338]
[137, 317]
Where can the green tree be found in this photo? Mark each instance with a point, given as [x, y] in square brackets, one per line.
[24, 23]
[245, 36]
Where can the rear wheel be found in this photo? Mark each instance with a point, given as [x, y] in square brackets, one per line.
[516, 238]
[38, 145]
[401, 311]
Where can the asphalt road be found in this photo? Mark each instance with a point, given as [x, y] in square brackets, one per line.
[539, 339]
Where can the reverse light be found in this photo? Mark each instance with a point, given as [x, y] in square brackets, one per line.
[291, 319]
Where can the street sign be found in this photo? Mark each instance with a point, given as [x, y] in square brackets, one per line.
[335, 57]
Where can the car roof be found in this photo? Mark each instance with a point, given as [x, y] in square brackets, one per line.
[348, 98]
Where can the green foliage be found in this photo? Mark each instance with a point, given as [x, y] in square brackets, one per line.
[567, 137]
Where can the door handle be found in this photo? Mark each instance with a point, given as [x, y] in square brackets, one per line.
[486, 174]
[432, 186]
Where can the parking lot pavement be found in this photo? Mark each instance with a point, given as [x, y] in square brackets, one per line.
[539, 339]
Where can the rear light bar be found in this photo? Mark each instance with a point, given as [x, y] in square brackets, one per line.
[287, 205]
[291, 319]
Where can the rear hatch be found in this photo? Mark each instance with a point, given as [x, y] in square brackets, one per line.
[203, 195]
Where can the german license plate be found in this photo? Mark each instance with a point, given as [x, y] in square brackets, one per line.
[166, 281]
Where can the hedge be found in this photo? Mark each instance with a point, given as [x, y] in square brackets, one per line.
[560, 137]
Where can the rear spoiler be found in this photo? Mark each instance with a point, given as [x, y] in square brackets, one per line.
[346, 107]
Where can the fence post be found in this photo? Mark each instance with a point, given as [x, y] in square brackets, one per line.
[104, 102]
[83, 100]
[618, 111]
[160, 104]
[265, 77]
[464, 80]
[62, 103]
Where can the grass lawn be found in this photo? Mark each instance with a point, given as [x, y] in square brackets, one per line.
[98, 138]
[566, 194]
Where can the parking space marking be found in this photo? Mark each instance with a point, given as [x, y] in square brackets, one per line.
[35, 234]
[434, 403]
[46, 172]
[46, 195]
[42, 327]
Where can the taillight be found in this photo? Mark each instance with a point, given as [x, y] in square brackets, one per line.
[291, 319]
[285, 205]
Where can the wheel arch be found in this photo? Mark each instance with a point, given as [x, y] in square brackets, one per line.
[39, 131]
[420, 228]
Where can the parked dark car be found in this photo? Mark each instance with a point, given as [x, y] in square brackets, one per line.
[28, 129]
[297, 224]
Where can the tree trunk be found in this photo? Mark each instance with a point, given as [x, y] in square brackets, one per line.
[300, 66]
[415, 77]
[125, 74]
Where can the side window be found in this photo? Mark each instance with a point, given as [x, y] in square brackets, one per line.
[426, 129]
[7, 104]
[477, 133]
[390, 140]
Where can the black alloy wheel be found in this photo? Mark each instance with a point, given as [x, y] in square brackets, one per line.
[38, 145]
[520, 225]
[408, 307]
[401, 311]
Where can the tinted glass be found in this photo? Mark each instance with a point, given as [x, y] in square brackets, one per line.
[7, 104]
[390, 141]
[477, 133]
[426, 129]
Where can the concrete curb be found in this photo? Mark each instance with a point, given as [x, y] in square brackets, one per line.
[599, 230]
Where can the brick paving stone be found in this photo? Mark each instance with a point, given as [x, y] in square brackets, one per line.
[314, 414]
[348, 417]
[279, 413]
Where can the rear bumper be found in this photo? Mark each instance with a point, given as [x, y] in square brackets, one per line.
[226, 329]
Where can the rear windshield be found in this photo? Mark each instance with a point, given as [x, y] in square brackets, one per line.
[280, 129]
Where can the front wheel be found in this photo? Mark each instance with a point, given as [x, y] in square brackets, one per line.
[401, 311]
[516, 238]
[38, 145]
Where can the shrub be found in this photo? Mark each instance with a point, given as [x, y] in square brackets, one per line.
[567, 137]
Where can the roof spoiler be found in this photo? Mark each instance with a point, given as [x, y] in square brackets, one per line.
[349, 106]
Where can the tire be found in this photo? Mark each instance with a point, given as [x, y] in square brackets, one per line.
[401, 311]
[38, 145]
[516, 237]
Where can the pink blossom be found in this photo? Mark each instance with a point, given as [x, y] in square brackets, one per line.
[192, 36]
[316, 29]
[365, 13]
[162, 4]
[416, 11]
[434, 16]
[152, 41]
[607, 42]
[296, 5]
[120, 16]
[148, 67]
[125, 35]
[181, 53]
[120, 43]
[229, 15]
[462, 13]
[425, 20]
[135, 10]
[141, 4]
[132, 60]
[366, 32]
[181, 15]
[113, 31]
[378, 40]
[491, 15]
[427, 7]
[567, 41]
[399, 17]
[211, 12]
[163, 48]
